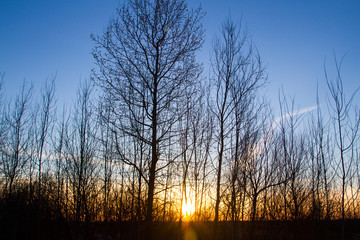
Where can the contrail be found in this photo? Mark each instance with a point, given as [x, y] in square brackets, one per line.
[295, 113]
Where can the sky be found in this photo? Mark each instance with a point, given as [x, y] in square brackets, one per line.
[295, 39]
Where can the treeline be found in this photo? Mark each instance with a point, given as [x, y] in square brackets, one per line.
[160, 135]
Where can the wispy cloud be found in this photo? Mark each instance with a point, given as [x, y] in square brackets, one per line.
[295, 113]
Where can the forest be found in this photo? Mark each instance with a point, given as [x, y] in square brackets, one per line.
[154, 147]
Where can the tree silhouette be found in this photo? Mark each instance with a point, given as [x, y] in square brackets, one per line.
[146, 60]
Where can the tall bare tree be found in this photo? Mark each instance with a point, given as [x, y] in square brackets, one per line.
[146, 59]
[238, 73]
[345, 130]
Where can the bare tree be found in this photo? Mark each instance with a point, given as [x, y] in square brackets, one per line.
[201, 125]
[186, 154]
[80, 153]
[223, 71]
[190, 130]
[107, 149]
[58, 146]
[321, 155]
[259, 161]
[293, 154]
[18, 119]
[345, 130]
[146, 60]
[46, 116]
[238, 73]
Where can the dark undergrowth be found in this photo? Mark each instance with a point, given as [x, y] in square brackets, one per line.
[276, 230]
[20, 222]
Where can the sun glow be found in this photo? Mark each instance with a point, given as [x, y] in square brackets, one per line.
[188, 209]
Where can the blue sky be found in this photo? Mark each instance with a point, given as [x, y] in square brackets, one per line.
[39, 38]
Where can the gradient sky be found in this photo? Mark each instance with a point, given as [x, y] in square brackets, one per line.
[39, 38]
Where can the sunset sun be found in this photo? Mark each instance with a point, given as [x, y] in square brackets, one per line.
[188, 208]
